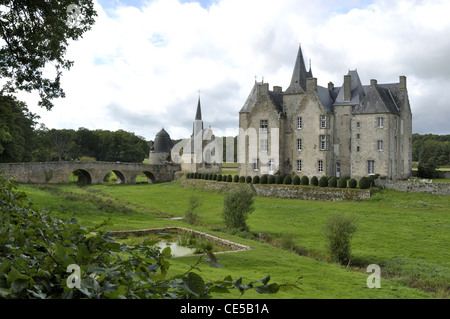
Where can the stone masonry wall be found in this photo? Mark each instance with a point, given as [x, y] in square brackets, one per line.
[286, 191]
[418, 187]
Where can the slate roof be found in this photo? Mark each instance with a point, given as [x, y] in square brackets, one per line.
[163, 143]
[299, 76]
[356, 88]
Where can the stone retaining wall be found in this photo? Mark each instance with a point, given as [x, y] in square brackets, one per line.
[286, 191]
[413, 186]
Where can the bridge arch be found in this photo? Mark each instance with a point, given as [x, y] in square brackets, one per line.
[120, 176]
[82, 177]
[150, 177]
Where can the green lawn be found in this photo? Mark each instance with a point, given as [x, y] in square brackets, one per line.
[407, 234]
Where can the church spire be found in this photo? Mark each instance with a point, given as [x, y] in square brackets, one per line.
[299, 75]
[198, 115]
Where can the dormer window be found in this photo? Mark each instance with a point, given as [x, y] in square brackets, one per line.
[324, 121]
[264, 126]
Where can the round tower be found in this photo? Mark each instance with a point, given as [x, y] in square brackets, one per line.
[160, 149]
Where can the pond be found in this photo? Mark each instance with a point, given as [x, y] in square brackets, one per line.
[176, 249]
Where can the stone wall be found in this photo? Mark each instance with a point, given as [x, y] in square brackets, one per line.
[286, 191]
[417, 187]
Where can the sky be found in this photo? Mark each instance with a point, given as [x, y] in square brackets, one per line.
[144, 64]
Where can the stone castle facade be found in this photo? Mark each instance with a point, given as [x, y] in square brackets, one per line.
[354, 130]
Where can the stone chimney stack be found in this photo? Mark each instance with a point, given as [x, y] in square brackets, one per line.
[278, 89]
[330, 86]
[373, 82]
[402, 83]
[311, 85]
[347, 87]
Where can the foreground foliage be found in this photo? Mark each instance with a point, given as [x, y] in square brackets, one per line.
[45, 257]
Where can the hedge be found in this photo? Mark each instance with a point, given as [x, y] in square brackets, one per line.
[296, 180]
[314, 181]
[304, 180]
[323, 182]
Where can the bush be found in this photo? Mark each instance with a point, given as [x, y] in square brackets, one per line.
[190, 216]
[427, 169]
[332, 182]
[304, 180]
[229, 178]
[248, 179]
[314, 181]
[236, 178]
[338, 231]
[287, 180]
[237, 205]
[372, 179]
[264, 179]
[296, 180]
[352, 183]
[214, 177]
[323, 182]
[219, 177]
[256, 179]
[342, 182]
[279, 179]
[364, 182]
[242, 179]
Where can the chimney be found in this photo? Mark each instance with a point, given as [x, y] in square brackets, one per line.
[277, 89]
[311, 85]
[402, 83]
[330, 86]
[263, 88]
[373, 82]
[347, 87]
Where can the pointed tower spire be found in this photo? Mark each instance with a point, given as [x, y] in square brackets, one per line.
[198, 115]
[299, 75]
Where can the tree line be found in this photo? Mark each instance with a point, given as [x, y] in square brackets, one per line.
[21, 141]
[430, 151]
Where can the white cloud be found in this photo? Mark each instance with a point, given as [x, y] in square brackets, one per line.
[140, 68]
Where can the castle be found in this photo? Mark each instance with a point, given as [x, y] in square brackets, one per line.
[354, 130]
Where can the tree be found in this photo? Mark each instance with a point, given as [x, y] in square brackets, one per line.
[338, 231]
[36, 35]
[16, 130]
[237, 205]
[190, 215]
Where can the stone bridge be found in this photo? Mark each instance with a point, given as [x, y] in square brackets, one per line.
[90, 172]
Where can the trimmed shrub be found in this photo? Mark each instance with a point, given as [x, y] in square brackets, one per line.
[314, 181]
[352, 183]
[372, 179]
[271, 179]
[248, 179]
[364, 182]
[342, 182]
[242, 179]
[332, 182]
[264, 179]
[323, 182]
[287, 180]
[219, 177]
[215, 177]
[256, 179]
[304, 180]
[279, 179]
[229, 178]
[236, 178]
[296, 180]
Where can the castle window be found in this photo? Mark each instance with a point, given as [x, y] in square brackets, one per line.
[299, 145]
[299, 165]
[323, 142]
[263, 146]
[264, 126]
[380, 145]
[299, 123]
[255, 164]
[271, 165]
[370, 167]
[320, 165]
[324, 121]
[358, 124]
[357, 148]
[358, 136]
[380, 122]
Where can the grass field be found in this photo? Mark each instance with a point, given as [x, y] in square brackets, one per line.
[407, 235]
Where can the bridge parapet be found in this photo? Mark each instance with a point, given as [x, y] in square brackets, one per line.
[95, 172]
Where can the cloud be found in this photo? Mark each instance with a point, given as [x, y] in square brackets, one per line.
[141, 66]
